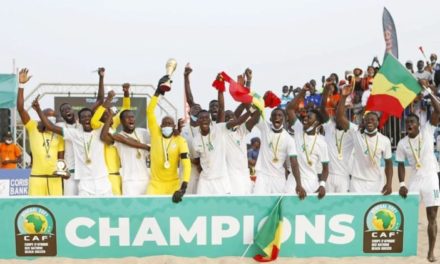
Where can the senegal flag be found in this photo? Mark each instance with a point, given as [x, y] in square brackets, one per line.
[268, 239]
[394, 88]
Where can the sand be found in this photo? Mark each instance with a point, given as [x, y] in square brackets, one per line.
[420, 258]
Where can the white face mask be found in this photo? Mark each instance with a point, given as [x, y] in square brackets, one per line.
[167, 131]
[52, 119]
[310, 129]
[370, 132]
[8, 141]
[275, 129]
[193, 118]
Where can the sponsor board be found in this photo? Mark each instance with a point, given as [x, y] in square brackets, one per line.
[336, 226]
[14, 182]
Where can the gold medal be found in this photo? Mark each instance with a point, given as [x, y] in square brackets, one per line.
[47, 156]
[310, 163]
[166, 164]
[275, 160]
[418, 165]
[88, 161]
[138, 155]
[340, 156]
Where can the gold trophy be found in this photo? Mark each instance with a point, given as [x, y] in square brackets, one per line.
[62, 170]
[170, 68]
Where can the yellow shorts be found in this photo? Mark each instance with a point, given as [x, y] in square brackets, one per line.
[116, 182]
[158, 187]
[45, 186]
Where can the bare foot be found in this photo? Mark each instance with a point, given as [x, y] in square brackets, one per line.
[431, 257]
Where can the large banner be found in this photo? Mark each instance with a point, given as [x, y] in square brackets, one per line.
[338, 225]
[390, 34]
[138, 105]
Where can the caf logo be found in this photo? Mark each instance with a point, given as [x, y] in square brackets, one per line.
[35, 232]
[383, 228]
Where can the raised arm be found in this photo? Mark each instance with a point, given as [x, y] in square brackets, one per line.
[434, 101]
[221, 107]
[188, 93]
[49, 125]
[126, 104]
[292, 106]
[23, 78]
[238, 121]
[341, 119]
[100, 97]
[95, 122]
[255, 117]
[105, 136]
[248, 78]
[130, 142]
[325, 95]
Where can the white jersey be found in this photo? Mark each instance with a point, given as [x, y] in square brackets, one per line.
[134, 160]
[275, 149]
[93, 175]
[338, 140]
[212, 152]
[189, 133]
[236, 160]
[423, 147]
[69, 155]
[366, 166]
[316, 148]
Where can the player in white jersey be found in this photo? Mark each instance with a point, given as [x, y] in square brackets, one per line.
[418, 149]
[210, 153]
[277, 147]
[340, 149]
[134, 171]
[236, 149]
[310, 146]
[71, 184]
[369, 147]
[89, 152]
[190, 131]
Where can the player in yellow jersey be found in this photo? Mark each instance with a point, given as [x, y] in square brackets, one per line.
[112, 160]
[45, 148]
[167, 152]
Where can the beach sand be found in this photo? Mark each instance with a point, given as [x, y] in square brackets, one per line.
[420, 258]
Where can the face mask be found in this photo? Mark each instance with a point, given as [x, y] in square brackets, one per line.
[167, 131]
[370, 132]
[193, 118]
[52, 119]
[310, 129]
[276, 129]
[8, 141]
[307, 93]
[285, 94]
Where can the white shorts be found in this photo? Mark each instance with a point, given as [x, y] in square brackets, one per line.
[428, 189]
[266, 184]
[193, 181]
[214, 186]
[135, 187]
[95, 187]
[240, 182]
[337, 183]
[71, 186]
[362, 186]
[309, 185]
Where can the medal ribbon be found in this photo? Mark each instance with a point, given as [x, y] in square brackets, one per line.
[305, 147]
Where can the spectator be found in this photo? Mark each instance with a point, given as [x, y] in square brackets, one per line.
[313, 100]
[421, 73]
[409, 66]
[368, 79]
[10, 153]
[286, 96]
[253, 156]
[332, 100]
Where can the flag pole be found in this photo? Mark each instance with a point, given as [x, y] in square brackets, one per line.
[249, 246]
